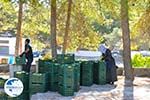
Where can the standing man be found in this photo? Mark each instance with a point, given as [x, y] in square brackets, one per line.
[111, 69]
[29, 56]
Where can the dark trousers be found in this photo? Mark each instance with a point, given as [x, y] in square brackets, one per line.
[27, 66]
[111, 72]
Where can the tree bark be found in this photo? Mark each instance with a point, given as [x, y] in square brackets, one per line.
[126, 41]
[67, 26]
[53, 28]
[18, 47]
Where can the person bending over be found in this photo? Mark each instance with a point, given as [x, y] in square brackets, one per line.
[111, 72]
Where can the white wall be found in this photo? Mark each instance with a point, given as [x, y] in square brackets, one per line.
[11, 44]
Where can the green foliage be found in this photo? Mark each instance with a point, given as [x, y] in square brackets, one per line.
[114, 38]
[7, 16]
[92, 21]
[139, 61]
[47, 56]
[139, 17]
[81, 33]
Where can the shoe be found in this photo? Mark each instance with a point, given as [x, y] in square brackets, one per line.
[112, 83]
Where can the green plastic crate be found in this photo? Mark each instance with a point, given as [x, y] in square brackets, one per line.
[3, 96]
[24, 77]
[2, 82]
[95, 71]
[100, 73]
[39, 82]
[35, 88]
[87, 81]
[53, 82]
[53, 77]
[20, 60]
[86, 76]
[49, 67]
[47, 86]
[43, 65]
[76, 77]
[66, 74]
[65, 58]
[66, 70]
[54, 68]
[24, 96]
[39, 78]
[66, 79]
[40, 63]
[86, 65]
[69, 81]
[53, 86]
[66, 90]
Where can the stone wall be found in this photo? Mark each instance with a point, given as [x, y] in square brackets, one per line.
[5, 68]
[141, 72]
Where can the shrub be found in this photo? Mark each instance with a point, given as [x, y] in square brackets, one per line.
[47, 56]
[140, 61]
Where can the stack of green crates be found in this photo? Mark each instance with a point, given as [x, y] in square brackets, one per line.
[100, 72]
[66, 80]
[65, 58]
[2, 82]
[38, 82]
[53, 76]
[86, 73]
[20, 60]
[41, 66]
[3, 96]
[95, 71]
[64, 74]
[44, 65]
[76, 76]
[52, 68]
[24, 77]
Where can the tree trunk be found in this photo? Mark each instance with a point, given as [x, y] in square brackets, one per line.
[18, 48]
[67, 26]
[53, 28]
[126, 41]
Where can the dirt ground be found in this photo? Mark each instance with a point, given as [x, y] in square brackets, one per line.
[139, 91]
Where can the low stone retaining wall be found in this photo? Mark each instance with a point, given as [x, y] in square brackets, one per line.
[5, 68]
[141, 72]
